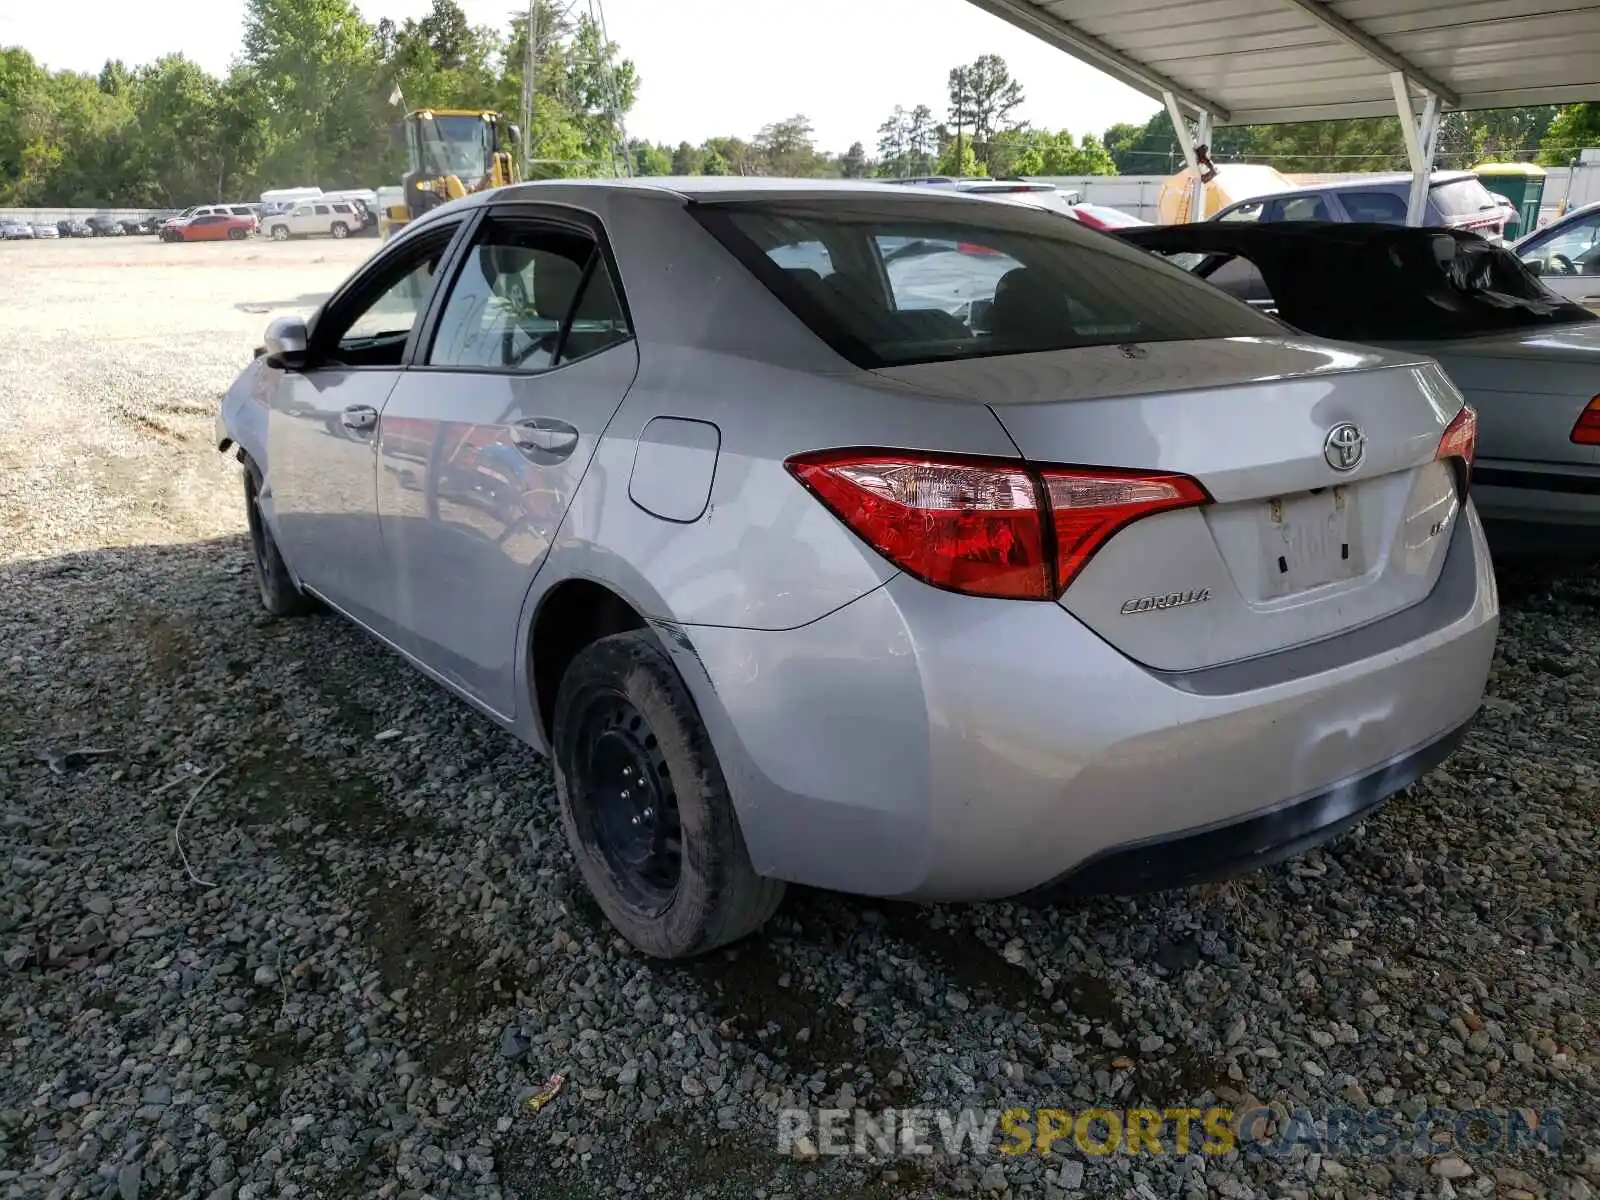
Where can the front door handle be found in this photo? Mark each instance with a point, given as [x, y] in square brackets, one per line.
[359, 416]
[545, 436]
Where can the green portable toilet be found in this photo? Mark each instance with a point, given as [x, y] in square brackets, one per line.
[1520, 183]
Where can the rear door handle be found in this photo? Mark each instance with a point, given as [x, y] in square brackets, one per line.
[545, 436]
[359, 416]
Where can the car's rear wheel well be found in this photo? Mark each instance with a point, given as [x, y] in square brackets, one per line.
[574, 615]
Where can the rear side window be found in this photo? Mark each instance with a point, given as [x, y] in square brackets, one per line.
[321, 210]
[527, 298]
[1299, 208]
[1382, 208]
[1462, 198]
[903, 285]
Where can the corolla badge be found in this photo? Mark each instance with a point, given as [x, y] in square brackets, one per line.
[1345, 447]
[1146, 604]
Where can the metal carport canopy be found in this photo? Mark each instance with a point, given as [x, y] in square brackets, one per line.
[1266, 61]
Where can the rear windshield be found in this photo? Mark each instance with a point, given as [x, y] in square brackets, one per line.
[1462, 198]
[889, 283]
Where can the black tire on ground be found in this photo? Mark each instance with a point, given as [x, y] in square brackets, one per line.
[280, 233]
[339, 229]
[279, 594]
[236, 235]
[622, 714]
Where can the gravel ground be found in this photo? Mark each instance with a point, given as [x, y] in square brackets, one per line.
[383, 948]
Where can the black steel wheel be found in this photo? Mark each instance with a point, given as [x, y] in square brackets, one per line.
[632, 815]
[645, 806]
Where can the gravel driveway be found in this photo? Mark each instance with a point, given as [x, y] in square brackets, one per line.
[380, 947]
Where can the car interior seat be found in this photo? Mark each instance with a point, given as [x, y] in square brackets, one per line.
[1026, 308]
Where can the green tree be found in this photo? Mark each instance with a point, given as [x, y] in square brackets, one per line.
[315, 67]
[983, 95]
[853, 165]
[1574, 128]
[786, 148]
[958, 158]
[687, 159]
[649, 159]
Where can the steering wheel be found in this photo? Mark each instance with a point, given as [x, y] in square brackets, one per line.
[1563, 264]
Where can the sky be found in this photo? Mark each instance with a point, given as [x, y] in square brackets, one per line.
[707, 67]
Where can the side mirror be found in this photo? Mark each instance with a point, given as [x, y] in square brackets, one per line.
[285, 343]
[1534, 265]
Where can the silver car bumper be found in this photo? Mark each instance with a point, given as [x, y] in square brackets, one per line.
[923, 744]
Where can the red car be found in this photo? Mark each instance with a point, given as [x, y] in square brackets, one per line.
[211, 227]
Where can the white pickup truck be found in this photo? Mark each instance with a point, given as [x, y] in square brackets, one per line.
[310, 218]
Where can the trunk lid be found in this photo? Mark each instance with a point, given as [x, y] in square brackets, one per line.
[1292, 550]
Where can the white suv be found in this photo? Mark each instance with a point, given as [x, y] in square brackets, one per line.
[335, 218]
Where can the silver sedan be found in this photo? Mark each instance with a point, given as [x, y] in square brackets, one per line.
[1018, 562]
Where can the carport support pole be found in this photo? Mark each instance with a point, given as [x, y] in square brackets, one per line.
[1422, 139]
[1187, 142]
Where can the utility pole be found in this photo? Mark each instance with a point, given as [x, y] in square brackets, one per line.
[530, 63]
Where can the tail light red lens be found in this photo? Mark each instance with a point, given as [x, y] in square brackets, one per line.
[1087, 507]
[1460, 438]
[1587, 430]
[985, 527]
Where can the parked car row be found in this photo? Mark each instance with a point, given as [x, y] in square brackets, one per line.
[1036, 564]
[215, 222]
[99, 225]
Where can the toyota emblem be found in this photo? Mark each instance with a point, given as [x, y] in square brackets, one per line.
[1345, 447]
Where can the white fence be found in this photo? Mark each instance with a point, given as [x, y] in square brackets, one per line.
[50, 216]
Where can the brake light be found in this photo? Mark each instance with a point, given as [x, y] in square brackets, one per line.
[1460, 438]
[1089, 506]
[1587, 430]
[976, 525]
[974, 248]
[1085, 219]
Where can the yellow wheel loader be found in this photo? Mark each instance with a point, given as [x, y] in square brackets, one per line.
[450, 153]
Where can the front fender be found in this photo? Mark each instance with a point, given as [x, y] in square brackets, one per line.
[242, 417]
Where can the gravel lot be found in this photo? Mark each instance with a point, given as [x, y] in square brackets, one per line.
[387, 949]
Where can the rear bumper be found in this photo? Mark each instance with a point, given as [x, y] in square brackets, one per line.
[921, 744]
[1234, 847]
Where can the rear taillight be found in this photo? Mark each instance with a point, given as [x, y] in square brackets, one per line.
[1587, 430]
[1084, 218]
[986, 527]
[1087, 507]
[1460, 440]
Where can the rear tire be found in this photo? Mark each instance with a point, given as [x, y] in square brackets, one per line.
[280, 595]
[280, 233]
[236, 235]
[340, 229]
[636, 773]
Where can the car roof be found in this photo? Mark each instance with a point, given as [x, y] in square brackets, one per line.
[723, 187]
[1366, 183]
